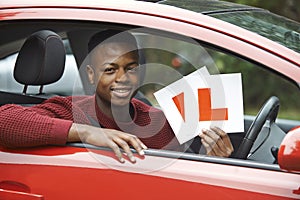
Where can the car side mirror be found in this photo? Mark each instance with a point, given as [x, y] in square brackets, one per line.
[289, 151]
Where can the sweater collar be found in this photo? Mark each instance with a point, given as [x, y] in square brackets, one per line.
[108, 122]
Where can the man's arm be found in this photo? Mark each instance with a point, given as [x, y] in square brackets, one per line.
[24, 127]
[111, 138]
[27, 127]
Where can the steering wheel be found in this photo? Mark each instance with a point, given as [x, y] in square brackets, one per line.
[269, 111]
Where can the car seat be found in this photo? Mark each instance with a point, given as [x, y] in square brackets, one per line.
[40, 61]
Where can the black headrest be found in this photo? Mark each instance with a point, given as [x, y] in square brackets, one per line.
[41, 59]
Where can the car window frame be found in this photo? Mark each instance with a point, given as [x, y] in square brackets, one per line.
[108, 21]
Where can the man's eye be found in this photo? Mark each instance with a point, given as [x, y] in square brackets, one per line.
[109, 70]
[133, 69]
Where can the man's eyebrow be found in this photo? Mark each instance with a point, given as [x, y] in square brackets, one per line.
[116, 65]
[132, 63]
[110, 63]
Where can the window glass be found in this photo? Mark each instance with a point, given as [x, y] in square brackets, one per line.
[169, 58]
[184, 55]
[259, 84]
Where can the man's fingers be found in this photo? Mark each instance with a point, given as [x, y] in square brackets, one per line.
[207, 147]
[211, 151]
[124, 140]
[142, 144]
[136, 143]
[211, 145]
[117, 151]
[225, 139]
[124, 145]
[212, 138]
[218, 131]
[218, 141]
[116, 140]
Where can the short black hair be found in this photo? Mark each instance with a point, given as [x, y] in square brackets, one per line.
[111, 35]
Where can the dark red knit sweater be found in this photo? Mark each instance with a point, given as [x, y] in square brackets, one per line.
[49, 122]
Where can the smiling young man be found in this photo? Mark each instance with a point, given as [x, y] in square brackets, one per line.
[113, 68]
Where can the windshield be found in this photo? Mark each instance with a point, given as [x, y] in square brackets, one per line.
[274, 27]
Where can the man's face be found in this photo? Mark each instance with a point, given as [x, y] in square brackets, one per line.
[115, 72]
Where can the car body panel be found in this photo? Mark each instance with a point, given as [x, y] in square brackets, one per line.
[67, 169]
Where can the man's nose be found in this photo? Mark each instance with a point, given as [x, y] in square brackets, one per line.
[121, 75]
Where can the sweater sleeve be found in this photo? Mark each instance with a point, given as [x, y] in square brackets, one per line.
[31, 126]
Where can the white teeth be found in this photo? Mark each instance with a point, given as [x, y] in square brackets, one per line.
[121, 90]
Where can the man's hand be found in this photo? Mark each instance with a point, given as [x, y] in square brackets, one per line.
[216, 142]
[111, 138]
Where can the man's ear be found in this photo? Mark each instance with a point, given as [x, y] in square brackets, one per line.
[91, 74]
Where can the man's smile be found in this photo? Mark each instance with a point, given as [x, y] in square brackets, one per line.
[121, 92]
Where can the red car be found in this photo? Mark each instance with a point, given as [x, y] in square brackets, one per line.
[177, 37]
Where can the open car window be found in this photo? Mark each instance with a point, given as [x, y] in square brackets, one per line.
[168, 57]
